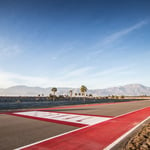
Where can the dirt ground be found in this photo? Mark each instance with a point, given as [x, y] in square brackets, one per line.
[17, 131]
[140, 140]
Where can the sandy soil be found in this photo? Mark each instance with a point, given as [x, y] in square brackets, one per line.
[140, 140]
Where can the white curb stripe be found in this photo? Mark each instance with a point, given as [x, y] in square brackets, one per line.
[73, 118]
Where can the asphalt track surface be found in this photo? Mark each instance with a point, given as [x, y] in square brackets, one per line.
[106, 109]
[18, 131]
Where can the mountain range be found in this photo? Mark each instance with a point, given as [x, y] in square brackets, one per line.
[127, 90]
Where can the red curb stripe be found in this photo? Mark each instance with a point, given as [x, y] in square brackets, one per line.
[95, 137]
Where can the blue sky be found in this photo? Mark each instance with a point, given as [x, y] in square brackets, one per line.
[67, 43]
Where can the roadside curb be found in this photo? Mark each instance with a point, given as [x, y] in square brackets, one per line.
[121, 141]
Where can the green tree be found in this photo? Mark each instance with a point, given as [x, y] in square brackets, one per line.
[83, 90]
[79, 94]
[90, 95]
[54, 90]
[116, 97]
[122, 97]
[112, 96]
[76, 94]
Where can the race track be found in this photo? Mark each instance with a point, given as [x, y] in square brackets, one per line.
[19, 129]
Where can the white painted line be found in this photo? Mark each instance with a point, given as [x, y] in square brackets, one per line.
[73, 118]
[50, 138]
[124, 135]
[129, 112]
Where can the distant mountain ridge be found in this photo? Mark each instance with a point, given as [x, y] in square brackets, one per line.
[127, 90]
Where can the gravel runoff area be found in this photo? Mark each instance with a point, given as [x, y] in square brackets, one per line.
[141, 140]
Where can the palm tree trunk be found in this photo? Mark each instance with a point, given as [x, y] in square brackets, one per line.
[54, 96]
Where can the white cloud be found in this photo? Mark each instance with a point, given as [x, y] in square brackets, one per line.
[115, 36]
[94, 80]
[78, 72]
[5, 80]
[86, 76]
[9, 49]
[10, 79]
[63, 51]
[74, 78]
[108, 42]
[117, 70]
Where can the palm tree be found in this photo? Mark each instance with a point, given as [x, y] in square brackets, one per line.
[90, 95]
[83, 90]
[75, 94]
[54, 90]
[112, 96]
[122, 97]
[79, 95]
[71, 92]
